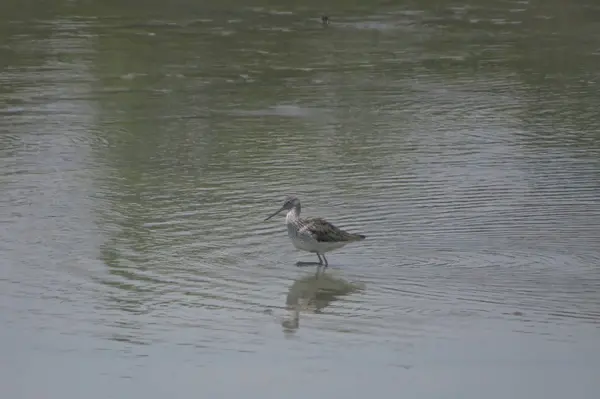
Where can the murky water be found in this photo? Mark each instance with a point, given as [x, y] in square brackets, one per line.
[142, 145]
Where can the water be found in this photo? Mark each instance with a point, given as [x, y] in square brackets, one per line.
[141, 147]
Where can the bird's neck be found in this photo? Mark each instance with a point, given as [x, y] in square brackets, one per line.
[293, 214]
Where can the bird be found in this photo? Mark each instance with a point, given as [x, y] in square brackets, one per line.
[315, 235]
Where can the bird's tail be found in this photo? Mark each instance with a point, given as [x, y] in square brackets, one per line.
[358, 237]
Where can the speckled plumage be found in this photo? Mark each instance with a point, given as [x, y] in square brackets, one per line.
[323, 231]
[314, 235]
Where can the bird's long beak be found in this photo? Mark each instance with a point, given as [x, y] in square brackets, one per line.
[280, 209]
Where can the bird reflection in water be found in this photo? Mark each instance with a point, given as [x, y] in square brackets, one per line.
[312, 293]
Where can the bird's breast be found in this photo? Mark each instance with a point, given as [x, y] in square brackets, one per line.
[292, 229]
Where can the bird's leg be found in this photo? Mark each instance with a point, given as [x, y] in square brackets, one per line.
[299, 264]
[311, 263]
[325, 259]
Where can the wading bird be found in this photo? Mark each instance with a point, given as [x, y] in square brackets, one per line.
[314, 235]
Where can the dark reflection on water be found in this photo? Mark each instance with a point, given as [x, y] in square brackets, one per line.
[313, 293]
[141, 146]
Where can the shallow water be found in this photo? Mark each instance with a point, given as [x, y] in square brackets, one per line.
[141, 148]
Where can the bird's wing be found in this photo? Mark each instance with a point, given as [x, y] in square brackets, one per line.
[323, 231]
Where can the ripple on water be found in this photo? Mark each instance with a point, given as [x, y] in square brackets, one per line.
[478, 194]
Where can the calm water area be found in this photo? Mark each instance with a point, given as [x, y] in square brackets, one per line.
[143, 143]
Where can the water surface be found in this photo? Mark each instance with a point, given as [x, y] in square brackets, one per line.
[142, 145]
